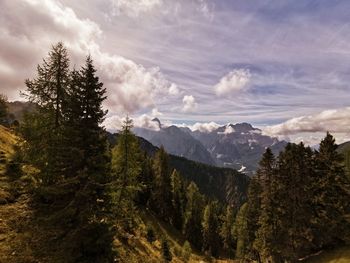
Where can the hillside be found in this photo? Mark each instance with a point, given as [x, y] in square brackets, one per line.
[27, 236]
[211, 180]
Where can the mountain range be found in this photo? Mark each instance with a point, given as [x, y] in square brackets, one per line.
[237, 146]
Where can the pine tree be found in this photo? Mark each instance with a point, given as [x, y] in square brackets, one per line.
[210, 229]
[72, 158]
[84, 134]
[126, 169]
[265, 236]
[331, 195]
[226, 230]
[193, 215]
[178, 199]
[241, 232]
[161, 196]
[294, 202]
[251, 213]
[145, 179]
[259, 199]
[42, 129]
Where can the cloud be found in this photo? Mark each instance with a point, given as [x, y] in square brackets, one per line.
[233, 82]
[311, 128]
[174, 90]
[156, 113]
[189, 103]
[26, 38]
[229, 129]
[114, 123]
[206, 9]
[134, 8]
[329, 120]
[131, 86]
[205, 127]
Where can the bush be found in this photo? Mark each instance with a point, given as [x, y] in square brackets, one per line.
[150, 235]
[14, 166]
[166, 251]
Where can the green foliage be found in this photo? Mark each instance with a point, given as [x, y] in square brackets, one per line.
[241, 233]
[65, 142]
[331, 193]
[126, 169]
[192, 228]
[161, 196]
[210, 229]
[145, 179]
[227, 230]
[300, 202]
[178, 199]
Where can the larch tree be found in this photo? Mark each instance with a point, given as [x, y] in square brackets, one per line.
[161, 197]
[192, 227]
[126, 169]
[178, 199]
[210, 229]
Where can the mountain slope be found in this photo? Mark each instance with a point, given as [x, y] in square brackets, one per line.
[237, 146]
[178, 142]
[212, 181]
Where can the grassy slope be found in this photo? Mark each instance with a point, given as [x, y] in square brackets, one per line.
[25, 237]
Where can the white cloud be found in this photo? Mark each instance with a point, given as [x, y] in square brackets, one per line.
[233, 82]
[329, 120]
[25, 38]
[156, 112]
[114, 123]
[134, 8]
[229, 129]
[174, 90]
[189, 103]
[205, 9]
[311, 128]
[131, 86]
[206, 127]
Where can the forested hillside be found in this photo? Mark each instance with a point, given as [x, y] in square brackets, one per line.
[298, 205]
[224, 184]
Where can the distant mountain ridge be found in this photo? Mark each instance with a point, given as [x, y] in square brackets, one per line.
[178, 142]
[237, 146]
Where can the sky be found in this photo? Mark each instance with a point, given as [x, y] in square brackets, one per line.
[281, 65]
